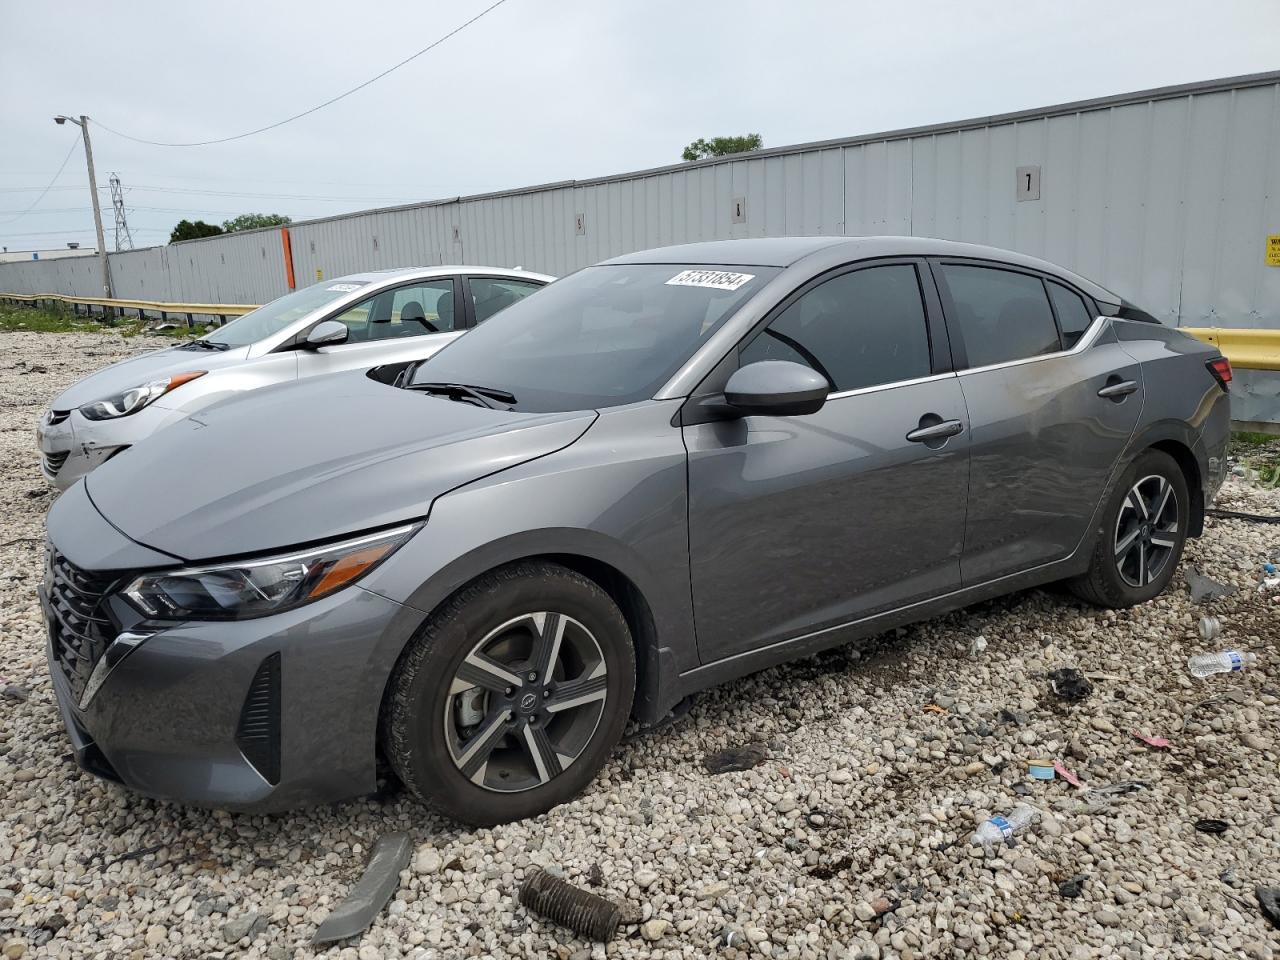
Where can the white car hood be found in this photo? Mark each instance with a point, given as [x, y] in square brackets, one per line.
[138, 370]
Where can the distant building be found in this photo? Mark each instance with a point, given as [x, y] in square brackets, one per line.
[55, 253]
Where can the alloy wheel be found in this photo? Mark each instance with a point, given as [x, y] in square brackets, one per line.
[525, 702]
[1146, 532]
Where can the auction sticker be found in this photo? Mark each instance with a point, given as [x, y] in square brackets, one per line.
[715, 279]
[343, 288]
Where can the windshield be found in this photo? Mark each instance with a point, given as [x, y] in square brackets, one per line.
[278, 314]
[604, 336]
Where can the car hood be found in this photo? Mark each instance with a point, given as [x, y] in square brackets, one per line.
[309, 461]
[138, 370]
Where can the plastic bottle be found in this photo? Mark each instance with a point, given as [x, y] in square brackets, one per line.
[1206, 664]
[999, 829]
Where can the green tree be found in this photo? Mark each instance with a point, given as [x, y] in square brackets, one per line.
[189, 230]
[253, 221]
[701, 149]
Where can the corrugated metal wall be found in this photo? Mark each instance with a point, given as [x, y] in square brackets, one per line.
[1164, 196]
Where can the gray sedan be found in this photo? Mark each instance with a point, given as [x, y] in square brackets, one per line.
[661, 473]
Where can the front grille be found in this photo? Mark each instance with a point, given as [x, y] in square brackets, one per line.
[258, 733]
[81, 629]
[53, 461]
[54, 417]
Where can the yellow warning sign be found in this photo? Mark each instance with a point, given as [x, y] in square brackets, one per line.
[1273, 250]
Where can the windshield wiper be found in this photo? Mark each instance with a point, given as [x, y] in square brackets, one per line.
[481, 396]
[206, 345]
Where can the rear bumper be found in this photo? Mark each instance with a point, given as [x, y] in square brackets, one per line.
[168, 720]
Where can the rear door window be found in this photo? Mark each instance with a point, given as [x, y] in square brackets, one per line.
[491, 294]
[859, 329]
[1074, 315]
[1001, 315]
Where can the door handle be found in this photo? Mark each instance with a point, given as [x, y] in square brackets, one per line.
[1115, 391]
[940, 430]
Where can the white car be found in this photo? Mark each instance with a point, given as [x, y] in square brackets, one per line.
[389, 317]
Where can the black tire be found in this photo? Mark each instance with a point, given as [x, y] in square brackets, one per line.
[422, 744]
[1114, 583]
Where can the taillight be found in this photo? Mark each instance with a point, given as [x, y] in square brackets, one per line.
[1220, 367]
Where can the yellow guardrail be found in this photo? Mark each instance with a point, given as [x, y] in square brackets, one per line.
[155, 306]
[1246, 349]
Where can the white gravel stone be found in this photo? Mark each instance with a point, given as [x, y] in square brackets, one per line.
[866, 795]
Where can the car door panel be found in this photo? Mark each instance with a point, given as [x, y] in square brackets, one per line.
[1044, 445]
[801, 523]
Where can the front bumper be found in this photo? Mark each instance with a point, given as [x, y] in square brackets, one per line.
[169, 719]
[74, 446]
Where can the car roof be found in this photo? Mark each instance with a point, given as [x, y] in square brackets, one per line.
[786, 251]
[446, 270]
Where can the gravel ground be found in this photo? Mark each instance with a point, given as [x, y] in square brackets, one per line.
[850, 840]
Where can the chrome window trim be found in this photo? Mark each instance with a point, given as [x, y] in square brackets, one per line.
[1087, 340]
[892, 385]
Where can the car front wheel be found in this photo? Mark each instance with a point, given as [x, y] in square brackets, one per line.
[1143, 531]
[511, 697]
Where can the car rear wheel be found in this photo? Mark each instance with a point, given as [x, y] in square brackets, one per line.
[1143, 531]
[512, 695]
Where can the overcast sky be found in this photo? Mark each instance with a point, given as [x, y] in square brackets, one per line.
[536, 91]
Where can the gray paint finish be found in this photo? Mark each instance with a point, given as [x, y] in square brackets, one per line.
[730, 543]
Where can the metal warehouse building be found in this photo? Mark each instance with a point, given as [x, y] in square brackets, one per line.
[1166, 196]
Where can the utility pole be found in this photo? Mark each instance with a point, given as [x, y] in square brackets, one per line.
[124, 239]
[83, 124]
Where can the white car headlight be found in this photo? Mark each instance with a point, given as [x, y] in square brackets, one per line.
[135, 398]
[255, 588]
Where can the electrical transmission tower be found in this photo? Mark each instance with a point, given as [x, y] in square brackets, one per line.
[124, 241]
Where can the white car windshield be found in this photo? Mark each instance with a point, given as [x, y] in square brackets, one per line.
[278, 314]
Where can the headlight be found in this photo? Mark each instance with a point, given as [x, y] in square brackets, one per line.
[254, 588]
[135, 398]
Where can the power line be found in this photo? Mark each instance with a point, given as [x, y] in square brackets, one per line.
[320, 106]
[62, 166]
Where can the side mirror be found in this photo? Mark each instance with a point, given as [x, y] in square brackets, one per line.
[776, 388]
[327, 334]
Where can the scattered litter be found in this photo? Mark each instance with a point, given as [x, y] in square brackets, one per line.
[1211, 826]
[736, 758]
[1205, 589]
[15, 692]
[1228, 661]
[1041, 769]
[1210, 627]
[582, 911]
[825, 871]
[370, 893]
[1066, 774]
[1074, 887]
[976, 646]
[934, 708]
[1269, 901]
[1116, 789]
[1070, 684]
[1002, 829]
[729, 937]
[1150, 741]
